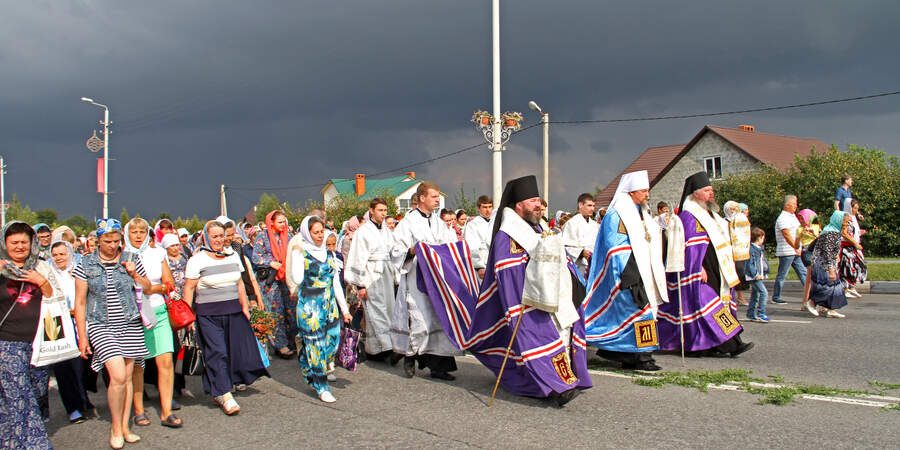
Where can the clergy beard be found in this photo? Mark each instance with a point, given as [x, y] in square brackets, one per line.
[532, 217]
[711, 206]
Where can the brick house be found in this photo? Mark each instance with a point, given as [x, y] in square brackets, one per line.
[718, 150]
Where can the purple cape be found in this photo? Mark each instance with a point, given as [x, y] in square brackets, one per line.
[708, 319]
[482, 320]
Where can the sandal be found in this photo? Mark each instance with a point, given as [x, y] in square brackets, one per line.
[131, 438]
[141, 420]
[229, 406]
[172, 422]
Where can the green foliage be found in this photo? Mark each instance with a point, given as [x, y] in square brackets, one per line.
[467, 204]
[17, 211]
[339, 209]
[814, 179]
[48, 216]
[79, 224]
[163, 215]
[192, 224]
[124, 218]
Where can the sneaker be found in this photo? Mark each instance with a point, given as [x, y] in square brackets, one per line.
[762, 319]
[76, 417]
[835, 315]
[327, 397]
[751, 318]
[331, 377]
[855, 293]
[780, 301]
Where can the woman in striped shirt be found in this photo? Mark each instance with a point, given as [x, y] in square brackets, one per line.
[106, 312]
[230, 350]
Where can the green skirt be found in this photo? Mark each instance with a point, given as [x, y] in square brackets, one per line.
[159, 339]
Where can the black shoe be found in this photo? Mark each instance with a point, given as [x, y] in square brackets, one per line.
[442, 376]
[409, 367]
[567, 397]
[779, 301]
[648, 366]
[628, 366]
[395, 358]
[742, 348]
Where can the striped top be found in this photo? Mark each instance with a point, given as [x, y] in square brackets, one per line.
[217, 285]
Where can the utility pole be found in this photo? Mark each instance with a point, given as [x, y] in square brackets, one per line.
[223, 203]
[2, 193]
[496, 140]
[106, 124]
[545, 119]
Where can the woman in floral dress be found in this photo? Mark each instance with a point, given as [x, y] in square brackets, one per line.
[268, 258]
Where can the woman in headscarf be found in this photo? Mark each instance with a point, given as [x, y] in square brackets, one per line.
[162, 228]
[320, 305]
[109, 321]
[230, 350]
[826, 290]
[177, 262]
[68, 373]
[739, 230]
[853, 268]
[24, 280]
[807, 233]
[268, 257]
[346, 237]
[159, 340]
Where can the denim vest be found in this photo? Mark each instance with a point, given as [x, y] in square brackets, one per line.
[96, 294]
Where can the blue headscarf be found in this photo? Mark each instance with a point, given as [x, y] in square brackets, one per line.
[108, 226]
[836, 223]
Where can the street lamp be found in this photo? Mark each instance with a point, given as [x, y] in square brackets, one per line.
[545, 119]
[105, 124]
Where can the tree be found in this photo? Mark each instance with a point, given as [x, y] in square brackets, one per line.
[163, 215]
[814, 179]
[48, 216]
[465, 203]
[124, 218]
[79, 224]
[17, 211]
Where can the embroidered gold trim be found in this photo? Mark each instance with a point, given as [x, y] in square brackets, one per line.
[563, 369]
[726, 321]
[515, 248]
[645, 334]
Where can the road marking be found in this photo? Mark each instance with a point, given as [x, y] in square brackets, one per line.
[859, 401]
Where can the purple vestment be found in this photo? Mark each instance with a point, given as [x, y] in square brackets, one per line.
[708, 319]
[482, 320]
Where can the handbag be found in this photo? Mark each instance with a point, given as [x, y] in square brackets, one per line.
[189, 361]
[346, 352]
[262, 354]
[55, 338]
[180, 314]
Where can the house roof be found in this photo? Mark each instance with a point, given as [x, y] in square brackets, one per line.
[654, 160]
[393, 186]
[772, 149]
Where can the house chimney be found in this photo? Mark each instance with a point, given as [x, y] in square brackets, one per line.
[747, 128]
[411, 174]
[360, 184]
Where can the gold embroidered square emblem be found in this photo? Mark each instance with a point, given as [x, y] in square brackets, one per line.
[563, 369]
[700, 228]
[515, 248]
[622, 228]
[645, 334]
[725, 320]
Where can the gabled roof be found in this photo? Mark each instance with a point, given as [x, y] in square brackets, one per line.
[393, 186]
[772, 149]
[654, 160]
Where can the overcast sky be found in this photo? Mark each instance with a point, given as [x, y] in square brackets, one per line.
[287, 93]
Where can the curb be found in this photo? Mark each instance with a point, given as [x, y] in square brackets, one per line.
[869, 287]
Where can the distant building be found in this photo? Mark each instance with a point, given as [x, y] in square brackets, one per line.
[401, 188]
[718, 150]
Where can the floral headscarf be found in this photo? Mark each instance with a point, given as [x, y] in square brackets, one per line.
[10, 270]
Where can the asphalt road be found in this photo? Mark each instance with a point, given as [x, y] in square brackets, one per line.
[378, 407]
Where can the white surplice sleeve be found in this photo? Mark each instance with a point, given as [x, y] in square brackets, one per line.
[339, 293]
[298, 267]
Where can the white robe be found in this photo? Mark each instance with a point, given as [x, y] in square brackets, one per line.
[647, 254]
[369, 265]
[415, 328]
[580, 234]
[478, 236]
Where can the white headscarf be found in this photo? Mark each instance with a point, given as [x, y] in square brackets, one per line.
[70, 262]
[316, 251]
[145, 245]
[729, 209]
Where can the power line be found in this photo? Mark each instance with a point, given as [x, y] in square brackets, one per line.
[725, 113]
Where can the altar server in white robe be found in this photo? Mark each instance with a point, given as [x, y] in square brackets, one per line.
[416, 331]
[580, 233]
[368, 267]
[478, 234]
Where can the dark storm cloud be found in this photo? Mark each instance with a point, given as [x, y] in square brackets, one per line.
[275, 93]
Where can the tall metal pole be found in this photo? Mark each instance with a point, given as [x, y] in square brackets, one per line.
[105, 162]
[497, 145]
[546, 119]
[2, 193]
[223, 204]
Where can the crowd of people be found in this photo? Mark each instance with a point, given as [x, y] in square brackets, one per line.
[524, 294]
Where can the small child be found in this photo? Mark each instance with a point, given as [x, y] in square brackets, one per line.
[755, 270]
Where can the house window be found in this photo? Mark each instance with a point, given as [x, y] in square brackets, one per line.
[713, 167]
[404, 204]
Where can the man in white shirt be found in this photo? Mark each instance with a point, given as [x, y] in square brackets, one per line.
[369, 268]
[787, 246]
[478, 234]
[580, 233]
[416, 330]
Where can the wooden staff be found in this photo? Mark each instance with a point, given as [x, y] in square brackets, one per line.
[680, 318]
[508, 349]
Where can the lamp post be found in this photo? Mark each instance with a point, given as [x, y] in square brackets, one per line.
[496, 142]
[2, 193]
[545, 119]
[105, 153]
